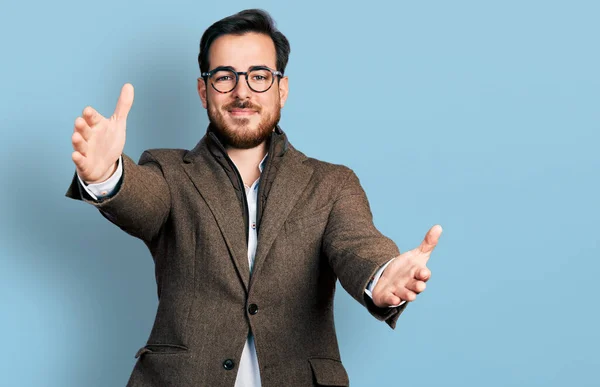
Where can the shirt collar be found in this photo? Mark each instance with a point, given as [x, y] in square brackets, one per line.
[263, 162]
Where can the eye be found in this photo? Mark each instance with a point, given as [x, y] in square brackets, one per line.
[223, 78]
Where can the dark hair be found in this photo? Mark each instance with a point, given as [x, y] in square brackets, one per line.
[250, 20]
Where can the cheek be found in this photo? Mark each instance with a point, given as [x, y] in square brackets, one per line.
[269, 102]
[216, 101]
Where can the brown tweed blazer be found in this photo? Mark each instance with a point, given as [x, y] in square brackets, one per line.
[315, 226]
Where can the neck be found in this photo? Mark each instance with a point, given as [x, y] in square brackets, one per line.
[247, 157]
[247, 161]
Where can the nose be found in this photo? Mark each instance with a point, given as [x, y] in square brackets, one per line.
[241, 90]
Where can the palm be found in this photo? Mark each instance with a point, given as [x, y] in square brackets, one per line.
[98, 141]
[405, 277]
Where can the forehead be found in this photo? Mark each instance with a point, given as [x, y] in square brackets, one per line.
[242, 51]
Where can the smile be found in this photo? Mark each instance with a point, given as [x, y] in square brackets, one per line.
[241, 112]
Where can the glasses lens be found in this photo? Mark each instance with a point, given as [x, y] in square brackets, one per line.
[223, 80]
[260, 80]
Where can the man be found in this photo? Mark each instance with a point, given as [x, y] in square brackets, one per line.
[248, 235]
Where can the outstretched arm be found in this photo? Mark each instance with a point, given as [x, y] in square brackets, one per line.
[355, 248]
[141, 201]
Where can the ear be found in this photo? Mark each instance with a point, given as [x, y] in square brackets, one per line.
[202, 92]
[283, 90]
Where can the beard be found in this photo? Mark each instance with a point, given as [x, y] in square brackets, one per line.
[242, 136]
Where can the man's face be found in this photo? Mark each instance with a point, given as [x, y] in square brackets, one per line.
[243, 118]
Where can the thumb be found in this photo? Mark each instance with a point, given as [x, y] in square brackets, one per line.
[125, 101]
[431, 239]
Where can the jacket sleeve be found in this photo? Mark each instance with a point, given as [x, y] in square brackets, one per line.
[141, 202]
[356, 249]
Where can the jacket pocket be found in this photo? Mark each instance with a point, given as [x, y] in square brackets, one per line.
[328, 372]
[162, 349]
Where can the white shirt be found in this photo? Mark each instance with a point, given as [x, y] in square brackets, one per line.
[248, 372]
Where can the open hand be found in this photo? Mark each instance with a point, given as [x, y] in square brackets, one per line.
[98, 141]
[406, 275]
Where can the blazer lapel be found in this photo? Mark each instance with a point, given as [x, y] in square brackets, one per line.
[216, 189]
[289, 182]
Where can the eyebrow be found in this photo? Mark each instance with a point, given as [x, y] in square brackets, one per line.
[256, 65]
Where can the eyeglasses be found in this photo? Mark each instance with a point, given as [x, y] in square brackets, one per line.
[224, 78]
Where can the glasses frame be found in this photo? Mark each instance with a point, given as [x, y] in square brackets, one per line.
[210, 73]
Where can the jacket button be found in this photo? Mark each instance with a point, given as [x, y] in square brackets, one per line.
[228, 364]
[253, 309]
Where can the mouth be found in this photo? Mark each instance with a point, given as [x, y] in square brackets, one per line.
[237, 112]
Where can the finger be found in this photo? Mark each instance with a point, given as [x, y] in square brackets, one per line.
[392, 300]
[125, 101]
[83, 128]
[431, 239]
[423, 274]
[417, 286]
[91, 116]
[79, 144]
[406, 294]
[78, 159]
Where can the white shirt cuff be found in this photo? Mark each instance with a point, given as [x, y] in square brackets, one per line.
[105, 188]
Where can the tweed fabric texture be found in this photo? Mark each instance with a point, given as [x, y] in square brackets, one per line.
[315, 227]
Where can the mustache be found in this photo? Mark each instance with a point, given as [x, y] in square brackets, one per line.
[242, 105]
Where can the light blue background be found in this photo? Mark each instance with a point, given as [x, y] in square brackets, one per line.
[480, 116]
